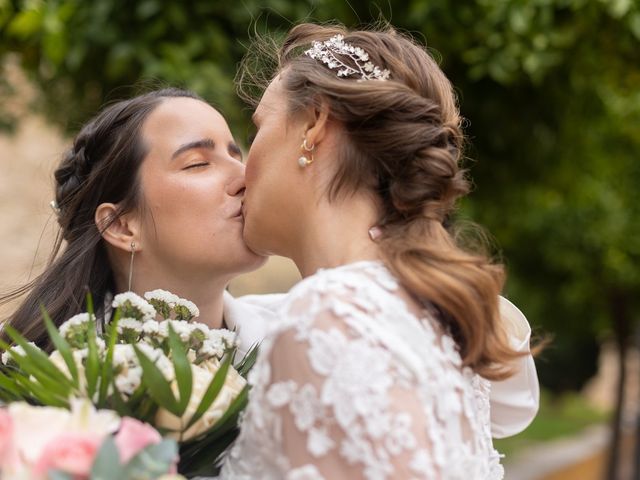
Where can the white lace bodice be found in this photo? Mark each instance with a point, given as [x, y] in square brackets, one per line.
[352, 384]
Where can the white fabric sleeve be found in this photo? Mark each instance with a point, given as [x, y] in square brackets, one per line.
[515, 401]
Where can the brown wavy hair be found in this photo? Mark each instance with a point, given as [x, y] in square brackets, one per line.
[403, 140]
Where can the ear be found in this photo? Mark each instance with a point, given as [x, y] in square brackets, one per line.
[318, 123]
[121, 232]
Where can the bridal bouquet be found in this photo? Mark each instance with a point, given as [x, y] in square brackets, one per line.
[80, 443]
[153, 363]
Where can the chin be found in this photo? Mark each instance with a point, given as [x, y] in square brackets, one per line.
[252, 240]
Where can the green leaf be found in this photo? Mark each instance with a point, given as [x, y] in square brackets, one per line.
[159, 387]
[198, 456]
[92, 366]
[61, 345]
[26, 24]
[248, 361]
[37, 364]
[107, 366]
[216, 384]
[182, 369]
[42, 394]
[106, 465]
[9, 386]
[153, 461]
[58, 475]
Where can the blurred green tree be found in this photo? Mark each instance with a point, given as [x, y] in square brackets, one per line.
[550, 88]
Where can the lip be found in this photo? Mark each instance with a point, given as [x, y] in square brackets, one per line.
[238, 215]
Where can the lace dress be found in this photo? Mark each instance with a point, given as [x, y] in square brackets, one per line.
[355, 381]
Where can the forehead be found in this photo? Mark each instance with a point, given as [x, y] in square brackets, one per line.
[272, 98]
[179, 120]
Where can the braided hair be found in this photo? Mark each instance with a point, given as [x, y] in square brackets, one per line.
[101, 166]
[402, 142]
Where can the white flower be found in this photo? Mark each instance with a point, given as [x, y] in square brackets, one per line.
[76, 329]
[210, 349]
[162, 301]
[78, 355]
[30, 437]
[217, 341]
[75, 321]
[129, 330]
[202, 377]
[183, 329]
[229, 338]
[128, 381]
[185, 309]
[17, 350]
[132, 305]
[158, 357]
[151, 328]
[129, 323]
[162, 295]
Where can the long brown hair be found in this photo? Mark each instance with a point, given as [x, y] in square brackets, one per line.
[403, 140]
[101, 166]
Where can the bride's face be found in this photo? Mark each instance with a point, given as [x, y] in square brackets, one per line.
[192, 183]
[278, 191]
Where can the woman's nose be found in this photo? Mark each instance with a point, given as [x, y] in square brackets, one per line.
[236, 186]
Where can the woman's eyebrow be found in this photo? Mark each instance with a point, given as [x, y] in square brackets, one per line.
[234, 150]
[204, 143]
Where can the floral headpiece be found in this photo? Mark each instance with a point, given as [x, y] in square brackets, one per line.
[327, 52]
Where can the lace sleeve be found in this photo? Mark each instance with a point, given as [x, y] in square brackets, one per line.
[346, 410]
[353, 384]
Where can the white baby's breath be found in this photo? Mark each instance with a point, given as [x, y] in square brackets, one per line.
[162, 301]
[158, 357]
[75, 321]
[183, 329]
[129, 380]
[133, 305]
[162, 295]
[185, 309]
[129, 324]
[151, 327]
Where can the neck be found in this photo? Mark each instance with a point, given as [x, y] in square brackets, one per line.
[336, 234]
[207, 294]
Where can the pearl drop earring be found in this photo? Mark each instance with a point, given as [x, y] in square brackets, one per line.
[303, 161]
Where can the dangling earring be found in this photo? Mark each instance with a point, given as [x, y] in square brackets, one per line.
[133, 252]
[303, 161]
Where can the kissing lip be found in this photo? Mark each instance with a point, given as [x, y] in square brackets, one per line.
[238, 214]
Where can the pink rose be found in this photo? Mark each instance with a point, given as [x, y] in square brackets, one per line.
[134, 436]
[7, 447]
[71, 453]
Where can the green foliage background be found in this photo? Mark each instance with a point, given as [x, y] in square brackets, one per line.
[550, 88]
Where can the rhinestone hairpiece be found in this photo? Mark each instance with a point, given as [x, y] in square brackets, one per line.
[326, 53]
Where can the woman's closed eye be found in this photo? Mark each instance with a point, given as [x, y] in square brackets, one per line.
[196, 165]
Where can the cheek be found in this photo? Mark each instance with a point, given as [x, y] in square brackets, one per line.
[182, 205]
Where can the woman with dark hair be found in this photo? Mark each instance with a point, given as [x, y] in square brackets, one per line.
[381, 362]
[149, 196]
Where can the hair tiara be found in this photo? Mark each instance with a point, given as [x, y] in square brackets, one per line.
[327, 51]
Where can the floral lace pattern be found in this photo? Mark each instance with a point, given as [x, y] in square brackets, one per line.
[352, 384]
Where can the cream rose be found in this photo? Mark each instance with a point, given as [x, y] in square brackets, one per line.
[202, 376]
[30, 437]
[57, 359]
